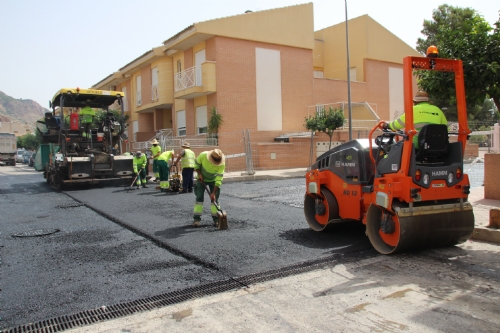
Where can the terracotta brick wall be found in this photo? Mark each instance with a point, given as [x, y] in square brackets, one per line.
[491, 172]
[146, 122]
[188, 59]
[236, 85]
[145, 85]
[375, 90]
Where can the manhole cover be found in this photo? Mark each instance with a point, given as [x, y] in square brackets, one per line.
[36, 233]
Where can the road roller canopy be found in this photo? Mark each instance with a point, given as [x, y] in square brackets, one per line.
[77, 97]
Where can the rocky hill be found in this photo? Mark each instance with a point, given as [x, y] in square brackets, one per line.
[23, 111]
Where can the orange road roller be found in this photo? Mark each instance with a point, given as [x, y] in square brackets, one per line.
[408, 196]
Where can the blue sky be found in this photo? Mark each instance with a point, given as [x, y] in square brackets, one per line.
[52, 44]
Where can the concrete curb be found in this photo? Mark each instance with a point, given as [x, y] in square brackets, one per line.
[485, 234]
[279, 175]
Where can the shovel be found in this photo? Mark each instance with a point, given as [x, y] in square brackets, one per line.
[131, 187]
[221, 215]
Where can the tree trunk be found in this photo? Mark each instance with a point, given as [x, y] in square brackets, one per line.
[496, 100]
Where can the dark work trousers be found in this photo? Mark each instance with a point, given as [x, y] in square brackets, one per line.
[187, 179]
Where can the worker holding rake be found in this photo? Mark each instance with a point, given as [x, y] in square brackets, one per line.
[139, 162]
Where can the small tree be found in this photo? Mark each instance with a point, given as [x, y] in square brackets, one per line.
[326, 121]
[215, 122]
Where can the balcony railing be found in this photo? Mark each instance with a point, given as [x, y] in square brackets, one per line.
[138, 97]
[154, 93]
[188, 78]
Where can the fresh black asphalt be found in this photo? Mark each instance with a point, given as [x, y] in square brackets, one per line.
[116, 246]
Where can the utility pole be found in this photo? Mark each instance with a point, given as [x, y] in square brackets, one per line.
[348, 75]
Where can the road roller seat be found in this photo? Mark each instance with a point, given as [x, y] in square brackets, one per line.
[433, 144]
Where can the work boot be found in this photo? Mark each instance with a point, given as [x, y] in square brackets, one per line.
[138, 187]
[145, 186]
[196, 223]
[182, 192]
[216, 223]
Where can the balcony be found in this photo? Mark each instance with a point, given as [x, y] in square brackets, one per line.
[195, 81]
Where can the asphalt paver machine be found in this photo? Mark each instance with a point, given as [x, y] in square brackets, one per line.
[70, 154]
[409, 197]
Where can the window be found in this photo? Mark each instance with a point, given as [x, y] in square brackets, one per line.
[138, 91]
[318, 74]
[124, 99]
[352, 73]
[154, 84]
[201, 119]
[181, 123]
[179, 66]
[199, 59]
[135, 129]
[320, 109]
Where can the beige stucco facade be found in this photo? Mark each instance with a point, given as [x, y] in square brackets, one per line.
[15, 128]
[260, 70]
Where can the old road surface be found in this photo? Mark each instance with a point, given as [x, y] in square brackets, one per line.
[94, 259]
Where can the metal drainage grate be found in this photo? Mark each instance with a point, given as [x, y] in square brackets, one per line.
[125, 309]
[36, 233]
[75, 205]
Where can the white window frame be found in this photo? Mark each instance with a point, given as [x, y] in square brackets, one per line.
[181, 122]
[320, 108]
[124, 99]
[135, 129]
[318, 74]
[154, 84]
[138, 84]
[201, 120]
[199, 59]
[352, 73]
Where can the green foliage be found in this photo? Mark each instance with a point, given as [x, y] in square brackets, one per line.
[461, 33]
[326, 121]
[29, 141]
[215, 122]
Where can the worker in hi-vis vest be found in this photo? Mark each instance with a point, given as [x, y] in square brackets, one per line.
[209, 166]
[187, 157]
[155, 152]
[423, 114]
[164, 169]
[139, 162]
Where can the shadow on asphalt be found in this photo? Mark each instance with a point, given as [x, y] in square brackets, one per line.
[336, 237]
[176, 232]
[33, 188]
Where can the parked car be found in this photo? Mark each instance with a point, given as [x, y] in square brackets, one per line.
[31, 161]
[20, 156]
[26, 157]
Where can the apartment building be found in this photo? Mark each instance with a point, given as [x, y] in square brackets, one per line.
[263, 71]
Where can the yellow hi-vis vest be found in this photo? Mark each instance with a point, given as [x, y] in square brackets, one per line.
[166, 156]
[423, 114]
[187, 160]
[155, 150]
[211, 173]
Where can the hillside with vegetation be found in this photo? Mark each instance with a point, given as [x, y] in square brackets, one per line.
[22, 111]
